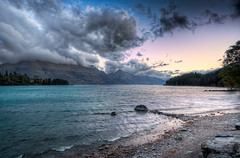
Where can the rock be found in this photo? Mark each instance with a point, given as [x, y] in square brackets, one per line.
[237, 125]
[222, 147]
[180, 115]
[177, 137]
[224, 135]
[113, 113]
[142, 108]
[218, 156]
[183, 130]
[154, 111]
[200, 155]
[190, 121]
[188, 152]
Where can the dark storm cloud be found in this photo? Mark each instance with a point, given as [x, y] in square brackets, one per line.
[169, 19]
[172, 18]
[214, 17]
[51, 31]
[236, 6]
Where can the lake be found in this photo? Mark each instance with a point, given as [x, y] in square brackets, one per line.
[40, 119]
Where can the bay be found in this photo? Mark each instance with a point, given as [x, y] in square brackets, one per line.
[36, 119]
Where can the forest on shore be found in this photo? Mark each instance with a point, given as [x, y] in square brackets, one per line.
[228, 76]
[10, 79]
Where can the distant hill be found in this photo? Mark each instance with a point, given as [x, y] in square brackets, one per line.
[127, 78]
[197, 79]
[76, 74]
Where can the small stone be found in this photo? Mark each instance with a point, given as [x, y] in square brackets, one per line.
[232, 129]
[224, 135]
[200, 155]
[177, 137]
[237, 125]
[183, 130]
[190, 121]
[154, 111]
[113, 113]
[188, 152]
[142, 108]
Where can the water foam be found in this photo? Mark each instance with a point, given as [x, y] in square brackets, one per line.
[62, 148]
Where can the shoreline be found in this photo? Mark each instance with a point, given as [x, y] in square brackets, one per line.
[183, 142]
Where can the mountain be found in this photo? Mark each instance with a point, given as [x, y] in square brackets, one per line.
[127, 78]
[76, 74]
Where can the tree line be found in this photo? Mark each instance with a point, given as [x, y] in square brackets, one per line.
[196, 79]
[10, 79]
[228, 76]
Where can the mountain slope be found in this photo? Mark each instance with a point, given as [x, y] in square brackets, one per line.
[76, 74]
[73, 73]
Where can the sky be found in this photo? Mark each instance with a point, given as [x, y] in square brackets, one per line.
[159, 38]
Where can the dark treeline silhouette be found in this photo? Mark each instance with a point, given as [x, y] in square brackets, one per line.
[228, 76]
[8, 79]
[197, 79]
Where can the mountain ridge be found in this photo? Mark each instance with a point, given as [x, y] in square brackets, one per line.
[76, 74]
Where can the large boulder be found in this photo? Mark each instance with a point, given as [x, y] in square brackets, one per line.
[222, 146]
[142, 108]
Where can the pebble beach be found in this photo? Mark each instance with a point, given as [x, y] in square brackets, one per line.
[183, 142]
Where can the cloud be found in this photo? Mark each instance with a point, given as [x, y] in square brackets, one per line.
[236, 6]
[178, 61]
[171, 18]
[139, 54]
[214, 17]
[144, 10]
[161, 64]
[133, 66]
[59, 33]
[158, 74]
[137, 67]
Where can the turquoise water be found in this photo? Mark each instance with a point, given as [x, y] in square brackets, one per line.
[38, 119]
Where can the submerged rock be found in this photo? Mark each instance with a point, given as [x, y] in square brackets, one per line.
[141, 108]
[113, 113]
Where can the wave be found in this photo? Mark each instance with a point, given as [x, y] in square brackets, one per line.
[62, 148]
